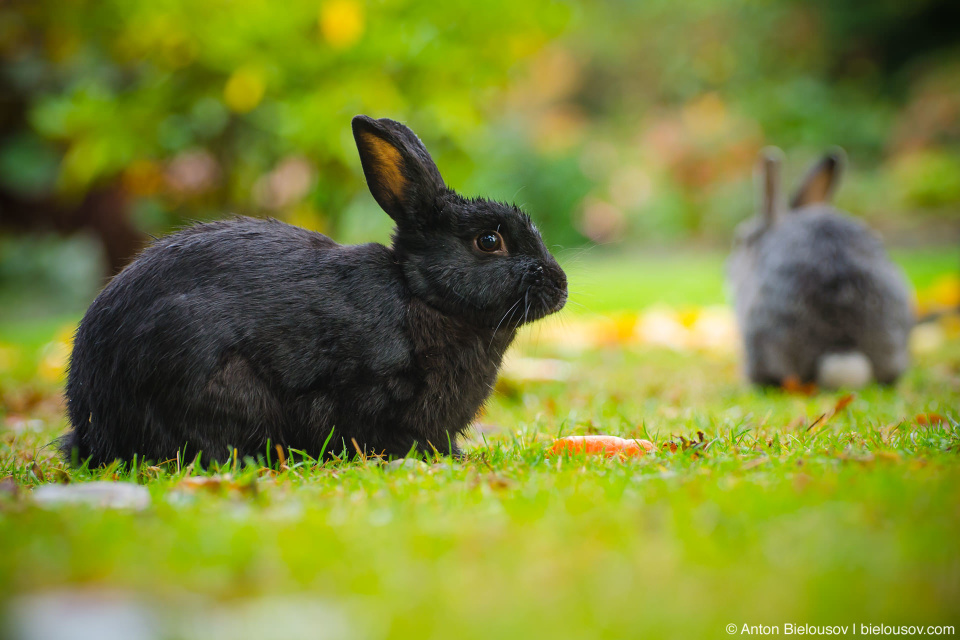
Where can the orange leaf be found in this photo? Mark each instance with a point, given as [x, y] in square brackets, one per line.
[843, 402]
[792, 384]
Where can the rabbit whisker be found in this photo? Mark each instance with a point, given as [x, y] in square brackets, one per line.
[501, 321]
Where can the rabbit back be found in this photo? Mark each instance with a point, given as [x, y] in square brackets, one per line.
[824, 285]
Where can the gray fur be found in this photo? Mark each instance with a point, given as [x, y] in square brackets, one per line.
[809, 281]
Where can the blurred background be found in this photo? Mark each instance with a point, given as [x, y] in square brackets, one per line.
[622, 127]
[629, 130]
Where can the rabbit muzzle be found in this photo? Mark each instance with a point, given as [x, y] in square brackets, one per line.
[546, 291]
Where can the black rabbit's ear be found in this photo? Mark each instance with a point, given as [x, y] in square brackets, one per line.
[768, 181]
[400, 173]
[821, 181]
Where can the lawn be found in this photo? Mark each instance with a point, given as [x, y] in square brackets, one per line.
[757, 508]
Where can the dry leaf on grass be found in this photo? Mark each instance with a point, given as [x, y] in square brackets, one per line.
[217, 483]
[699, 445]
[792, 384]
[842, 403]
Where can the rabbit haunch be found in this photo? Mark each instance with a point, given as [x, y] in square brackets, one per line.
[239, 333]
[817, 298]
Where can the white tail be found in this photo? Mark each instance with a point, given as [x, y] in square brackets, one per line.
[850, 370]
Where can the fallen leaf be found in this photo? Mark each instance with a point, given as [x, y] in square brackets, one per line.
[843, 402]
[792, 384]
[930, 419]
[37, 471]
[700, 443]
[223, 482]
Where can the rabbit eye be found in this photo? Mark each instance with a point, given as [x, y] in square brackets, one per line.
[489, 242]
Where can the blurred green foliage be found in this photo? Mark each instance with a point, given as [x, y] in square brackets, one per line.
[608, 120]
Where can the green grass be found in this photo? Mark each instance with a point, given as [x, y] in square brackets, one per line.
[783, 510]
[613, 282]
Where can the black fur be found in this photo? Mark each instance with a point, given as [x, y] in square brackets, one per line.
[235, 333]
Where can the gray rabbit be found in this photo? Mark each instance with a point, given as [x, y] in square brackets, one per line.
[816, 297]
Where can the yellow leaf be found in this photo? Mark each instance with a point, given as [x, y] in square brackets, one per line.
[341, 23]
[244, 90]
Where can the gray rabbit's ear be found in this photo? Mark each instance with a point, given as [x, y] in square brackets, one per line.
[400, 173]
[768, 183]
[821, 181]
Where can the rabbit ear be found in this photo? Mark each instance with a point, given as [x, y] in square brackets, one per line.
[821, 181]
[400, 173]
[768, 180]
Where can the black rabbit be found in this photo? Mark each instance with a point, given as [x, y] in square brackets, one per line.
[816, 296]
[244, 332]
